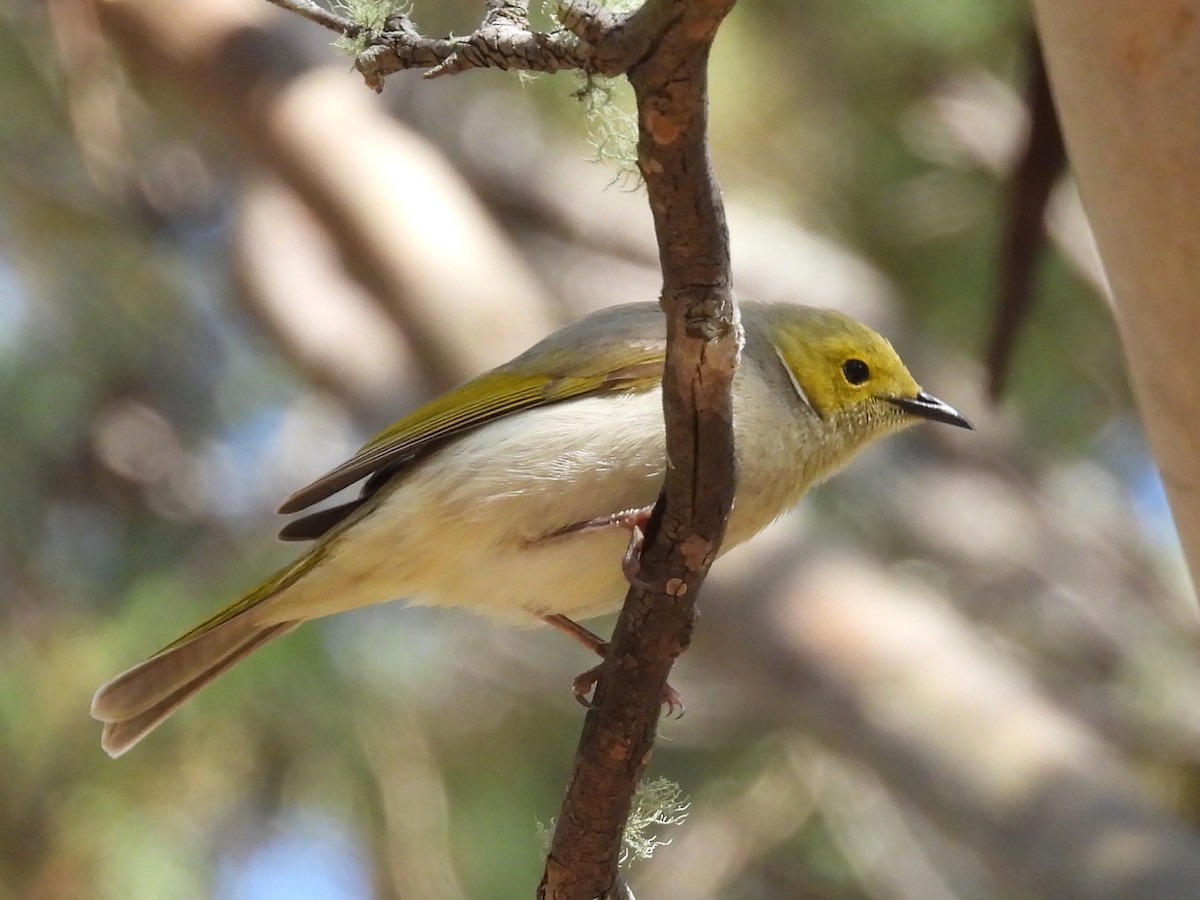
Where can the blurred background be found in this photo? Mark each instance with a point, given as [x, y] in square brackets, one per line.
[224, 264]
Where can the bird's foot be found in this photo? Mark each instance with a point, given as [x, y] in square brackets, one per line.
[584, 683]
[631, 562]
[635, 520]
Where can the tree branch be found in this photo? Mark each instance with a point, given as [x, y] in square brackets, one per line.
[316, 13]
[702, 345]
[1042, 162]
[594, 40]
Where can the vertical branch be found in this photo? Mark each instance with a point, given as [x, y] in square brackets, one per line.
[702, 345]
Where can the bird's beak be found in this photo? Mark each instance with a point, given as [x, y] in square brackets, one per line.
[930, 407]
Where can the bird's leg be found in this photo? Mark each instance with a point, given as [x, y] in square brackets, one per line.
[584, 636]
[635, 520]
[584, 683]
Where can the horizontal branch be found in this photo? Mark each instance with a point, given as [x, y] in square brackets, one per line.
[501, 46]
[592, 39]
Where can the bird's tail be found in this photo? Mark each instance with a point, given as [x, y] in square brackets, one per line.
[136, 701]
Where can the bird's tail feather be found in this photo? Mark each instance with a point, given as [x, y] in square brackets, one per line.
[136, 701]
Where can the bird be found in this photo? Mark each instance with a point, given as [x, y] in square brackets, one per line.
[515, 494]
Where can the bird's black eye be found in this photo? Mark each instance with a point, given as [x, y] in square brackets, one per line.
[856, 371]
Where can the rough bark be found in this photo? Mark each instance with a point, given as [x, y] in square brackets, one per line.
[655, 625]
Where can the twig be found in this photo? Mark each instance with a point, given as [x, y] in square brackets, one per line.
[504, 45]
[593, 40]
[321, 16]
[500, 44]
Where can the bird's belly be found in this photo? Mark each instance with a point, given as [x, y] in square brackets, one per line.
[576, 575]
[470, 526]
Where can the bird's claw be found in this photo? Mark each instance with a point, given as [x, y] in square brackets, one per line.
[584, 684]
[631, 562]
[673, 701]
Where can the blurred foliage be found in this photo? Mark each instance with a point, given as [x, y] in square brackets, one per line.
[151, 424]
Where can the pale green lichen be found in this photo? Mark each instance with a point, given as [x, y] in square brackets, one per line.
[656, 804]
[545, 834]
[607, 103]
[370, 16]
[612, 125]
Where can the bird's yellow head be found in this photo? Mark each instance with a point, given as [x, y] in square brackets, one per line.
[849, 374]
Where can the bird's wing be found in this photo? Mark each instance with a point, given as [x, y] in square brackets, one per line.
[552, 372]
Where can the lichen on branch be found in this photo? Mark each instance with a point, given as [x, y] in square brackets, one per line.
[593, 39]
[371, 18]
